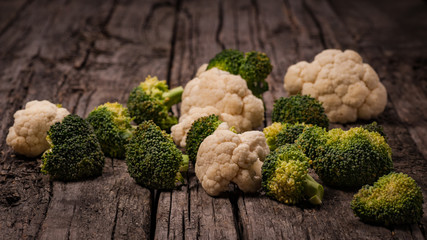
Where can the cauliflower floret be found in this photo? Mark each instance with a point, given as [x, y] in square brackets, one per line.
[225, 157]
[221, 93]
[28, 134]
[347, 87]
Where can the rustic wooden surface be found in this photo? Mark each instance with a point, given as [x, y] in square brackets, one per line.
[85, 53]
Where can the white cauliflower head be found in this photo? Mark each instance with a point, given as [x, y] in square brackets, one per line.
[225, 157]
[28, 134]
[348, 88]
[221, 93]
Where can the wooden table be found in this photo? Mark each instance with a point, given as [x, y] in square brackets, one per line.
[85, 53]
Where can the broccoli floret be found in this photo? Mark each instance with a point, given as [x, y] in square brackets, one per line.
[254, 69]
[278, 134]
[227, 60]
[152, 100]
[152, 158]
[375, 127]
[111, 123]
[271, 132]
[253, 66]
[285, 177]
[352, 158]
[200, 129]
[300, 109]
[75, 152]
[312, 138]
[395, 199]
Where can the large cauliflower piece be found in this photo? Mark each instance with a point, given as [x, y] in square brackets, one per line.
[218, 92]
[28, 134]
[347, 87]
[225, 157]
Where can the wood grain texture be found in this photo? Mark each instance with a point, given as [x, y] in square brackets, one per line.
[85, 53]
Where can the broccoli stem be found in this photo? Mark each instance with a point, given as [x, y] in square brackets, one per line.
[313, 190]
[173, 96]
[184, 164]
[179, 179]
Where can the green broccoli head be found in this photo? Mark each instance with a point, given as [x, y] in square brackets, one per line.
[111, 123]
[75, 152]
[227, 60]
[285, 177]
[375, 127]
[152, 100]
[152, 158]
[253, 66]
[395, 199]
[278, 134]
[200, 129]
[352, 158]
[300, 109]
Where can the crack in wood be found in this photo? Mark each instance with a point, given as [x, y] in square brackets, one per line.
[316, 23]
[113, 232]
[15, 17]
[220, 23]
[173, 41]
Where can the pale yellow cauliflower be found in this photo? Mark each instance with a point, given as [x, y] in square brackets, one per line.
[225, 157]
[348, 88]
[221, 93]
[28, 134]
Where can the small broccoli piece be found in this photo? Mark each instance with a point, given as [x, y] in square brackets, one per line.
[227, 60]
[375, 127]
[285, 177]
[352, 158]
[152, 158]
[152, 100]
[300, 109]
[278, 134]
[395, 199]
[253, 66]
[311, 141]
[271, 132]
[75, 152]
[111, 123]
[200, 129]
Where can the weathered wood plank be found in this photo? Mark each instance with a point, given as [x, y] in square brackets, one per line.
[25, 75]
[74, 60]
[320, 223]
[190, 212]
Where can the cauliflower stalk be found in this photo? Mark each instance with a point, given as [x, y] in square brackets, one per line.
[225, 157]
[348, 88]
[28, 134]
[221, 93]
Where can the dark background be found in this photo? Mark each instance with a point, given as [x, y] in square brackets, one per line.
[84, 53]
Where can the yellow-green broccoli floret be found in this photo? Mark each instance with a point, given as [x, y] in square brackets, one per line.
[200, 129]
[375, 127]
[152, 158]
[300, 109]
[112, 125]
[75, 152]
[352, 158]
[285, 177]
[253, 66]
[278, 134]
[152, 100]
[395, 199]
